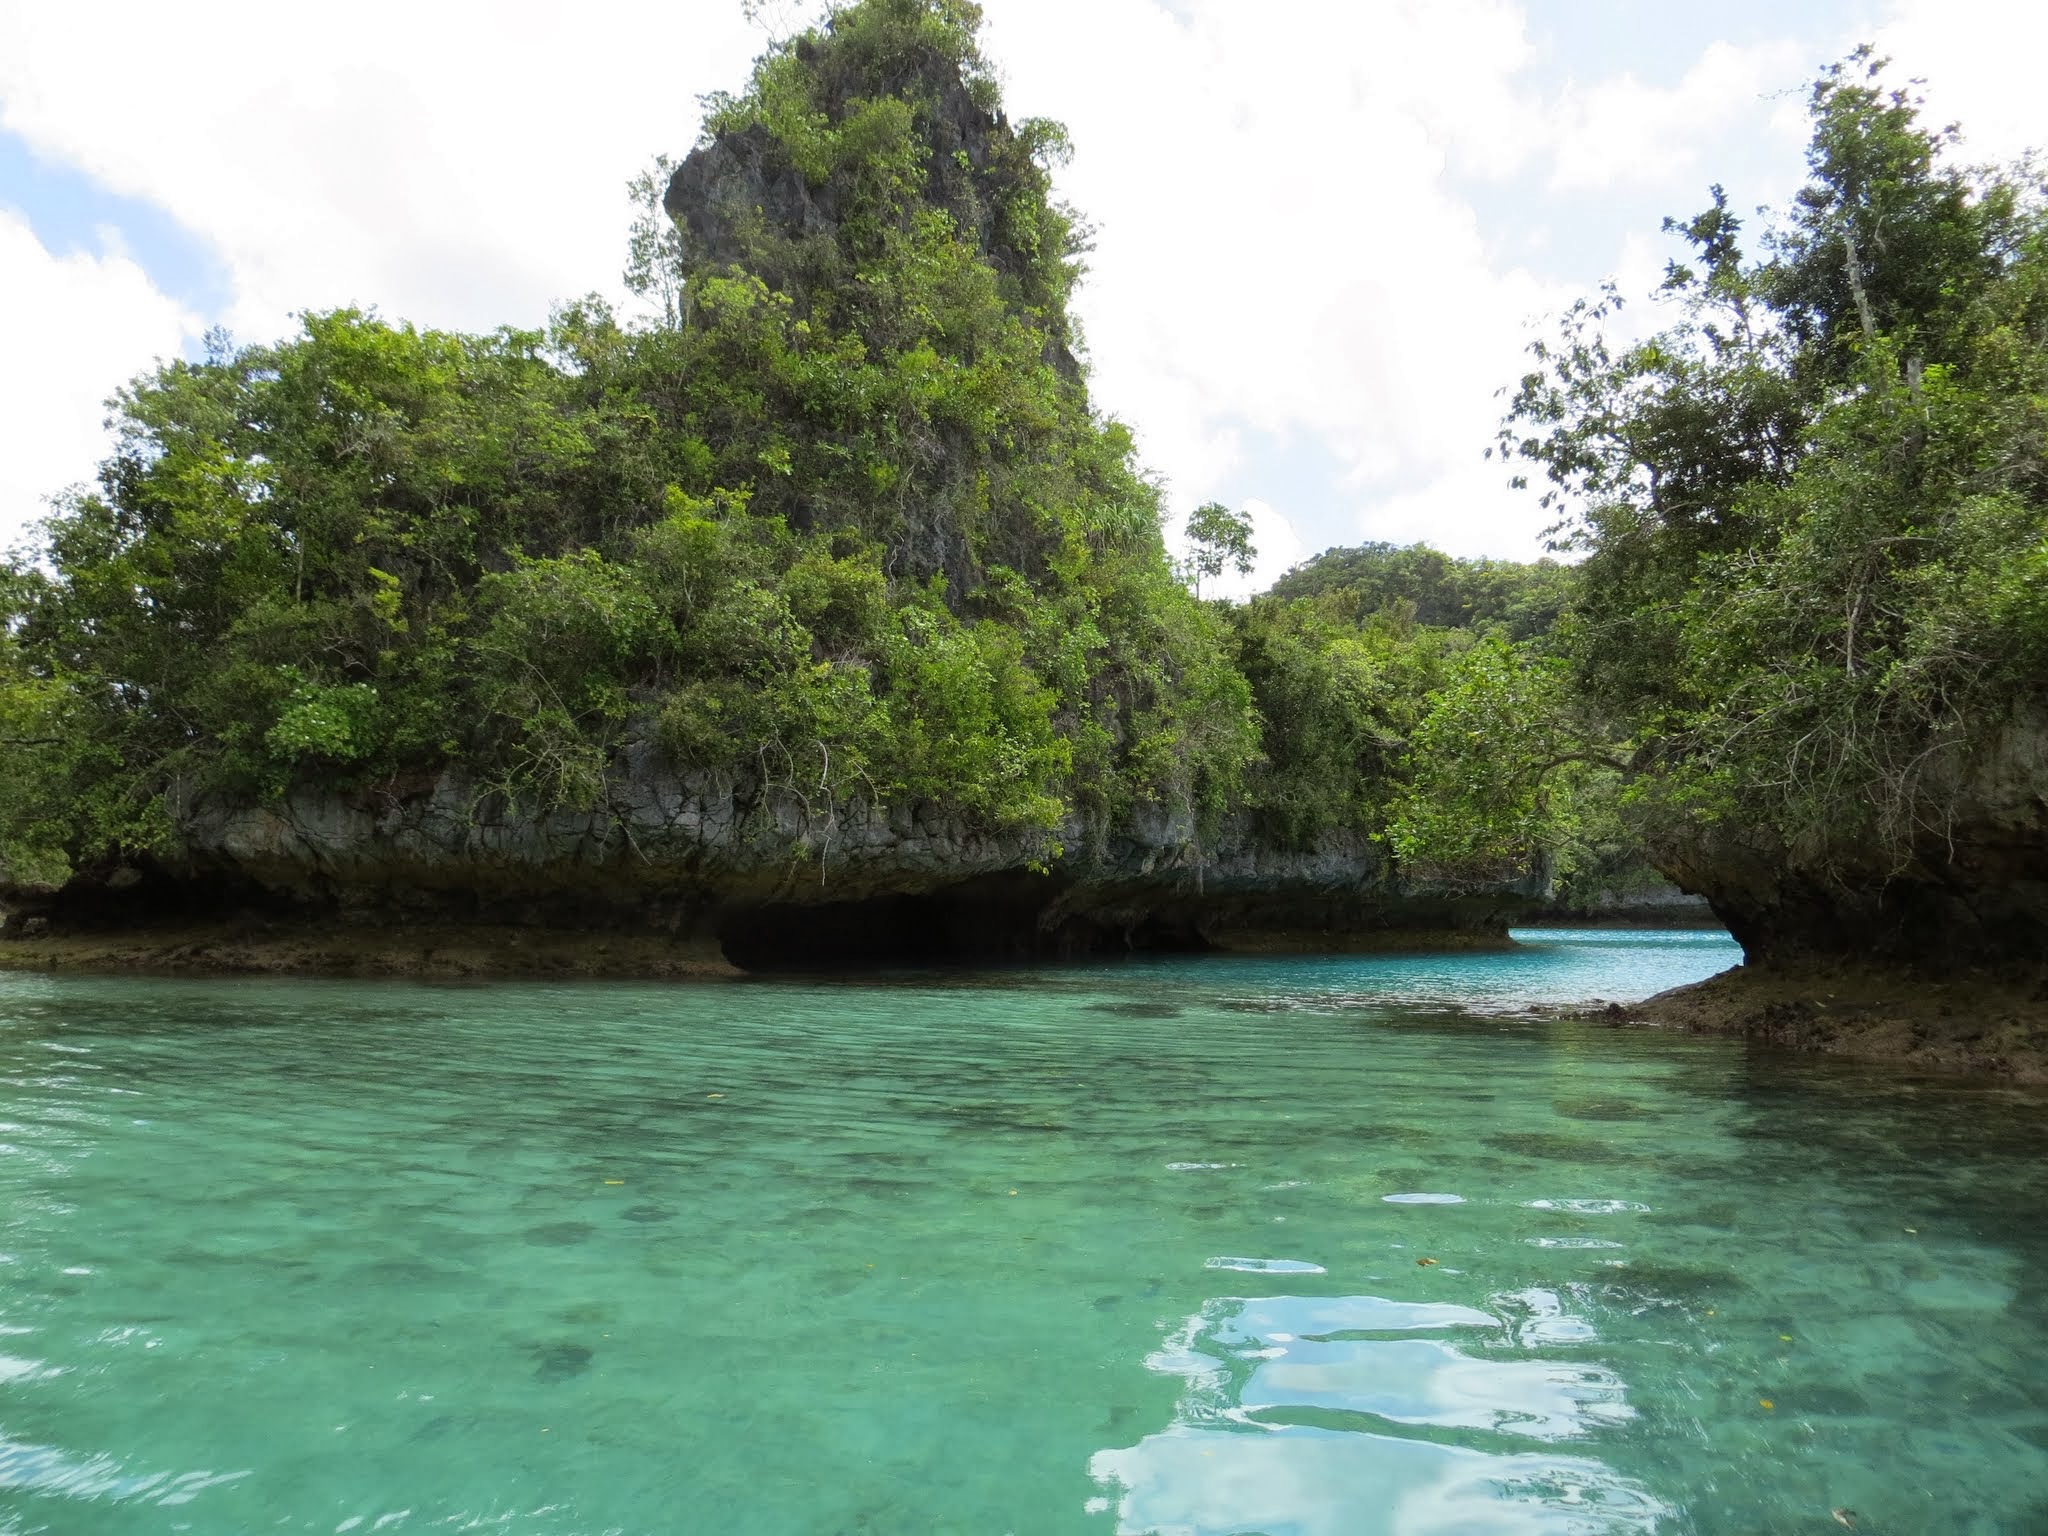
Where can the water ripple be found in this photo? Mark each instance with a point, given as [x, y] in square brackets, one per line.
[1244, 1456]
[487, 1256]
[1267, 1266]
[1317, 1482]
[43, 1469]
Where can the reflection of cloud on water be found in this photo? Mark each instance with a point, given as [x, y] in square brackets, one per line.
[1235, 1321]
[1267, 1266]
[1426, 1381]
[1545, 1320]
[44, 1469]
[1228, 1466]
[1297, 1481]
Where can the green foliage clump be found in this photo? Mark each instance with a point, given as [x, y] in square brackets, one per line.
[1218, 539]
[1434, 589]
[1500, 769]
[1814, 515]
[1815, 508]
[1421, 702]
[1337, 702]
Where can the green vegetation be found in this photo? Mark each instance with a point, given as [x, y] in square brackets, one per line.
[1218, 539]
[1425, 702]
[1433, 589]
[839, 524]
[1815, 510]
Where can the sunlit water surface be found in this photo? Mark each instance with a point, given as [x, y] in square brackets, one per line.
[1202, 1247]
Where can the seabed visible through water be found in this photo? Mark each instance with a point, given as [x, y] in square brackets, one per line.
[1303, 1247]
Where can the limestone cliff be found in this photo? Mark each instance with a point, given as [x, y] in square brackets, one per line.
[1971, 892]
[740, 200]
[704, 859]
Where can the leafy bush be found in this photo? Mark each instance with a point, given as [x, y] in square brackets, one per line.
[1814, 508]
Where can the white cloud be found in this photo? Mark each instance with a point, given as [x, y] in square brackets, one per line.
[76, 326]
[458, 163]
[1982, 62]
[1276, 547]
[1463, 511]
[1280, 252]
[1622, 131]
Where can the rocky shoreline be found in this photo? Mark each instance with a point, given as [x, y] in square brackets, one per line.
[1988, 1025]
[429, 953]
[486, 951]
[703, 878]
[721, 868]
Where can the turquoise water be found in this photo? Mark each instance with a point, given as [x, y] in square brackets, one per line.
[1116, 1250]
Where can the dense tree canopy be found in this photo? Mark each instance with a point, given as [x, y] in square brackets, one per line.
[1433, 588]
[836, 521]
[1425, 701]
[1815, 509]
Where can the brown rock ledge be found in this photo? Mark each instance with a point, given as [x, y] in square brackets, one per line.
[428, 953]
[1989, 1024]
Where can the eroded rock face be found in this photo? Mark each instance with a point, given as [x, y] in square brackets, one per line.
[776, 883]
[1972, 893]
[739, 178]
[739, 201]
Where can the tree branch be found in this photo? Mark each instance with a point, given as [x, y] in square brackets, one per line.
[1585, 755]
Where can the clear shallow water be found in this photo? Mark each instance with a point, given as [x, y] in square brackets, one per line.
[1098, 1251]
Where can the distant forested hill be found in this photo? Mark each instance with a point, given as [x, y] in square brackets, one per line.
[1523, 600]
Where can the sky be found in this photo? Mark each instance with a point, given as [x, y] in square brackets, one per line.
[1325, 229]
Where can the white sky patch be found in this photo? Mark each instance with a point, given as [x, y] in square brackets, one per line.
[1461, 512]
[1621, 131]
[1278, 250]
[1982, 60]
[460, 163]
[76, 326]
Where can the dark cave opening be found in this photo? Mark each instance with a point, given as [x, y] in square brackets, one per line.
[991, 920]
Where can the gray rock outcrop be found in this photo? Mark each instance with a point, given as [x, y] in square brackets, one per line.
[1969, 890]
[705, 857]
